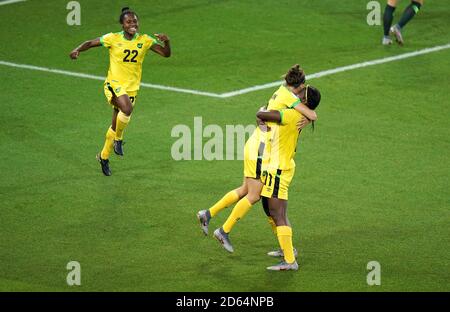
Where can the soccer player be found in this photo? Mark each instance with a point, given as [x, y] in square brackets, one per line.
[127, 50]
[280, 171]
[254, 160]
[396, 30]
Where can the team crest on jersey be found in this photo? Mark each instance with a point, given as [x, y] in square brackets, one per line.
[139, 45]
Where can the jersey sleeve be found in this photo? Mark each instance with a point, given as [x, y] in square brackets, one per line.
[106, 40]
[288, 116]
[294, 101]
[152, 40]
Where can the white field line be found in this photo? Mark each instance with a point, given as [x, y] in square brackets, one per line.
[10, 1]
[242, 91]
[340, 69]
[81, 75]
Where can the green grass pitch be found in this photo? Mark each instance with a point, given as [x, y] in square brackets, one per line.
[372, 181]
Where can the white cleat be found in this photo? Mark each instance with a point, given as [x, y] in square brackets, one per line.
[395, 31]
[387, 41]
[284, 266]
[204, 216]
[222, 237]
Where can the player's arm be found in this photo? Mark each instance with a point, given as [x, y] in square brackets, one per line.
[305, 111]
[277, 116]
[85, 46]
[261, 123]
[272, 115]
[162, 50]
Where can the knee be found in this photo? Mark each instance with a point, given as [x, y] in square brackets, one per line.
[241, 191]
[253, 198]
[279, 219]
[275, 214]
[254, 194]
[128, 109]
[392, 3]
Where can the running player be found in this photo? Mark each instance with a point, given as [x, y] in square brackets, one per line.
[254, 159]
[127, 50]
[396, 30]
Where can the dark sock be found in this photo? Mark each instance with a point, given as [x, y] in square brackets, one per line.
[409, 13]
[387, 18]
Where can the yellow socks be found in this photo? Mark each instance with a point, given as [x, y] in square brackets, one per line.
[229, 199]
[273, 225]
[238, 212]
[121, 124]
[284, 234]
[109, 141]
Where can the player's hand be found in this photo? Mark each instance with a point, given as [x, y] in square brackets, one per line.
[262, 125]
[162, 37]
[303, 123]
[74, 54]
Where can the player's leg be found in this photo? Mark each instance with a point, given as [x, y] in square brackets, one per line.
[241, 208]
[229, 199]
[103, 157]
[254, 187]
[278, 211]
[278, 252]
[110, 135]
[251, 169]
[409, 12]
[387, 20]
[265, 204]
[204, 216]
[125, 106]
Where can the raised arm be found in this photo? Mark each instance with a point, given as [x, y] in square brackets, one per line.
[162, 50]
[305, 111]
[85, 46]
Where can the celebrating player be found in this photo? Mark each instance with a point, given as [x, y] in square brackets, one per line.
[255, 156]
[280, 171]
[396, 30]
[127, 50]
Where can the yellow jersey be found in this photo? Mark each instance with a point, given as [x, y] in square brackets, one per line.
[258, 146]
[126, 58]
[283, 140]
[283, 98]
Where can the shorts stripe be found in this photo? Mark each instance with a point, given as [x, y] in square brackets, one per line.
[260, 157]
[276, 186]
[111, 89]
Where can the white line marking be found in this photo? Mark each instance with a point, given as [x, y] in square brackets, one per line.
[196, 92]
[10, 1]
[340, 69]
[242, 91]
[81, 75]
